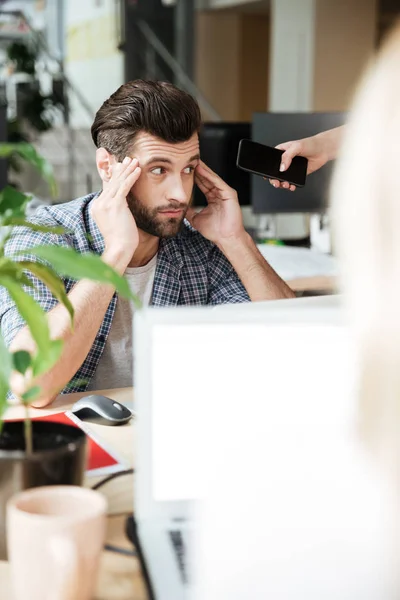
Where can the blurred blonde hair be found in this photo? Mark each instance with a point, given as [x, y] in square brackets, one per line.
[365, 199]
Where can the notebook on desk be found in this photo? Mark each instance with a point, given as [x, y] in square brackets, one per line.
[102, 460]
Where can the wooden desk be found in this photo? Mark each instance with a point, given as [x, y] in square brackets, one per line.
[120, 576]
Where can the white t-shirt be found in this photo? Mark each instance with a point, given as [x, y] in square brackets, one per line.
[115, 368]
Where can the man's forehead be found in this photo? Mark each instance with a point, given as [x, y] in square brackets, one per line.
[147, 145]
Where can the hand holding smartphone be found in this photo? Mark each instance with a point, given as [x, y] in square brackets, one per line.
[265, 161]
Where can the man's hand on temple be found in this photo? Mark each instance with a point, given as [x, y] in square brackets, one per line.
[113, 217]
[221, 220]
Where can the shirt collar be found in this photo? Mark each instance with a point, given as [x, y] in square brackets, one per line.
[169, 249]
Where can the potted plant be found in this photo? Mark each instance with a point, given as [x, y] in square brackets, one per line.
[36, 453]
[38, 110]
[22, 58]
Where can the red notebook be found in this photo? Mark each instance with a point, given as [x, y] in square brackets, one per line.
[101, 460]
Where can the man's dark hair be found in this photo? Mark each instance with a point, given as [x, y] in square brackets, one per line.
[154, 107]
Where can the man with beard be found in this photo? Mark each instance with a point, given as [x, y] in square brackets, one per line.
[147, 156]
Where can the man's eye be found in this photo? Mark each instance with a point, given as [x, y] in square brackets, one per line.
[158, 171]
[188, 170]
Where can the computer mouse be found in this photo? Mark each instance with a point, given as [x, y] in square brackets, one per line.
[101, 410]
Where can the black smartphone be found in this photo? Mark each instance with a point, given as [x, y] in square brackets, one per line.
[265, 160]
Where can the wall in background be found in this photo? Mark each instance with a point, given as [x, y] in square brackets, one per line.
[345, 39]
[231, 62]
[217, 56]
[93, 62]
[255, 31]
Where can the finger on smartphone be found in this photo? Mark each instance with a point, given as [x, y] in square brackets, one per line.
[292, 149]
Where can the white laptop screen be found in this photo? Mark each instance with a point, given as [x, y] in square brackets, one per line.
[199, 369]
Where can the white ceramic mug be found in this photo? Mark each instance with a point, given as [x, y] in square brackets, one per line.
[54, 537]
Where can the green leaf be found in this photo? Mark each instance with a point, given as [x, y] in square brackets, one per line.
[31, 394]
[28, 152]
[69, 263]
[51, 280]
[14, 271]
[20, 222]
[5, 374]
[30, 311]
[7, 149]
[12, 202]
[45, 360]
[4, 387]
[4, 241]
[48, 351]
[5, 360]
[22, 361]
[76, 383]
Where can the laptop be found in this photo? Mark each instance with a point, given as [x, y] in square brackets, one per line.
[182, 374]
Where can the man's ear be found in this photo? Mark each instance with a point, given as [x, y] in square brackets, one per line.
[105, 162]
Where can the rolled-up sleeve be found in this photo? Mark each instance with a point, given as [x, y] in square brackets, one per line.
[225, 286]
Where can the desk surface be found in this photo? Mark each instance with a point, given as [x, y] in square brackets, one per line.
[306, 284]
[120, 576]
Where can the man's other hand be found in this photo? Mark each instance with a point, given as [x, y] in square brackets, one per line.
[221, 220]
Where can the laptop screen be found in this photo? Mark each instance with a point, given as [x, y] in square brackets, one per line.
[203, 372]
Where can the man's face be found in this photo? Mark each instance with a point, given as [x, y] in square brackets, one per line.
[160, 198]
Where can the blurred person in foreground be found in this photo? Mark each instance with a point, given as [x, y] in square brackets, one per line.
[366, 216]
[365, 204]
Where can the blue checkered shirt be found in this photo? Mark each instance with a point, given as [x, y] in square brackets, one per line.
[190, 270]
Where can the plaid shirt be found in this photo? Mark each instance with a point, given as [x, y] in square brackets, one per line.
[190, 271]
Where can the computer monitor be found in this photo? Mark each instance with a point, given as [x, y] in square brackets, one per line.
[168, 401]
[273, 129]
[257, 417]
[218, 149]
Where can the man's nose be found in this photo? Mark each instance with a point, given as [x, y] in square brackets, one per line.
[177, 191]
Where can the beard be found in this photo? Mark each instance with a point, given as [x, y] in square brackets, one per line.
[152, 222]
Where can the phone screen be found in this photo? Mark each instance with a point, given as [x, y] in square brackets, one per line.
[265, 161]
